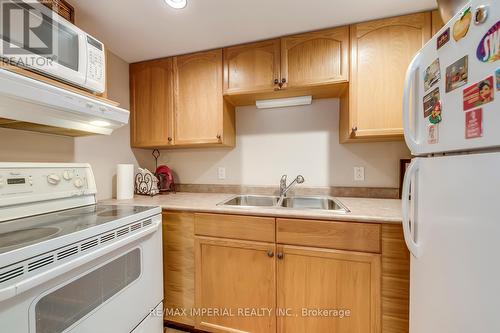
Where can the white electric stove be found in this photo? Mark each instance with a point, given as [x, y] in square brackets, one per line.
[68, 264]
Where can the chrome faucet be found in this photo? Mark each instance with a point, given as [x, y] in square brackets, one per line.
[284, 189]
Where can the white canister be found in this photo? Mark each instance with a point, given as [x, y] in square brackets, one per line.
[124, 181]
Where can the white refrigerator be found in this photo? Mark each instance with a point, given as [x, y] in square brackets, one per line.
[451, 190]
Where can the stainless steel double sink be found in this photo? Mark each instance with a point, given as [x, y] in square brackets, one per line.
[296, 202]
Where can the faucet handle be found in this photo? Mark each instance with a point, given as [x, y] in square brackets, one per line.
[282, 183]
[300, 179]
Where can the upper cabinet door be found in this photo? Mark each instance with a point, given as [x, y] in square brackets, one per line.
[437, 22]
[313, 58]
[198, 102]
[381, 52]
[252, 67]
[151, 103]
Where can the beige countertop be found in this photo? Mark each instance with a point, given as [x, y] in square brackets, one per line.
[361, 209]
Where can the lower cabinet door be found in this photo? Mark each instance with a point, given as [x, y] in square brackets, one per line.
[327, 291]
[235, 286]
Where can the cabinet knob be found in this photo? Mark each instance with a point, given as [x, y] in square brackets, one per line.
[169, 139]
[270, 253]
[219, 137]
[283, 81]
[354, 128]
[276, 81]
[279, 255]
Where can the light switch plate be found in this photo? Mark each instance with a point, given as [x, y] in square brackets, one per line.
[359, 174]
[221, 173]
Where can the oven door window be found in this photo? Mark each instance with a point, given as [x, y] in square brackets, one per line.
[65, 306]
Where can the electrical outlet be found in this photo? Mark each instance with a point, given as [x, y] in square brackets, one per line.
[221, 173]
[359, 173]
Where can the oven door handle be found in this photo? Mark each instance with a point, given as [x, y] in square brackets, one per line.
[50, 274]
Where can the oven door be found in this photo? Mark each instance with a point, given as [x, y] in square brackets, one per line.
[39, 39]
[113, 293]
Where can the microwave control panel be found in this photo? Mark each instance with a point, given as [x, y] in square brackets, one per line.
[96, 61]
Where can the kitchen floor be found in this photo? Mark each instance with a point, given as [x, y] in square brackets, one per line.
[173, 330]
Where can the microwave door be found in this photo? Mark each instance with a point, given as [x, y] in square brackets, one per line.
[53, 46]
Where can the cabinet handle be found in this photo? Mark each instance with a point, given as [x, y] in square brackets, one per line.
[169, 139]
[279, 255]
[219, 137]
[283, 80]
[276, 81]
[354, 128]
[270, 253]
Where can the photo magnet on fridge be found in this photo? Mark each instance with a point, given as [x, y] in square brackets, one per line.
[432, 75]
[443, 38]
[432, 101]
[497, 75]
[488, 49]
[432, 134]
[474, 124]
[479, 93]
[461, 26]
[457, 74]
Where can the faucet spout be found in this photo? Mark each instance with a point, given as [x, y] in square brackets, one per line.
[284, 189]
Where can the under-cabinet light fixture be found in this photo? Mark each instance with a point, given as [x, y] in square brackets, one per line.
[283, 102]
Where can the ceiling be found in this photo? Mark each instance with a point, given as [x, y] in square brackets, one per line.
[139, 30]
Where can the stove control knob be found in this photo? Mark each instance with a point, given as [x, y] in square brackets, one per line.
[78, 182]
[53, 179]
[68, 175]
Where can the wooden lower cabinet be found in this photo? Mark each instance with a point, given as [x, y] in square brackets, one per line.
[178, 267]
[285, 274]
[232, 276]
[328, 290]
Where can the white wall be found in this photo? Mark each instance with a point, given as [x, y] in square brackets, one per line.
[295, 140]
[105, 152]
[23, 146]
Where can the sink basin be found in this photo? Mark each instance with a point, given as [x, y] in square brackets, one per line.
[251, 201]
[318, 203]
[322, 203]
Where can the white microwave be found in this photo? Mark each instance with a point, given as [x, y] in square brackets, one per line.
[36, 38]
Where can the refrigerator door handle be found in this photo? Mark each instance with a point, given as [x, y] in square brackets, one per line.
[412, 245]
[408, 84]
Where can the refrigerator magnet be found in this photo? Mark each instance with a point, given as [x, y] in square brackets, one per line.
[435, 117]
[457, 74]
[461, 26]
[479, 94]
[431, 100]
[488, 49]
[443, 38]
[432, 75]
[497, 75]
[432, 134]
[474, 124]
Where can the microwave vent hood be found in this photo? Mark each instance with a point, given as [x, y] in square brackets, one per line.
[29, 104]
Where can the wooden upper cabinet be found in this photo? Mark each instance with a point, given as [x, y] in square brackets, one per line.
[311, 279]
[235, 275]
[437, 22]
[381, 51]
[151, 103]
[319, 57]
[252, 67]
[200, 113]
